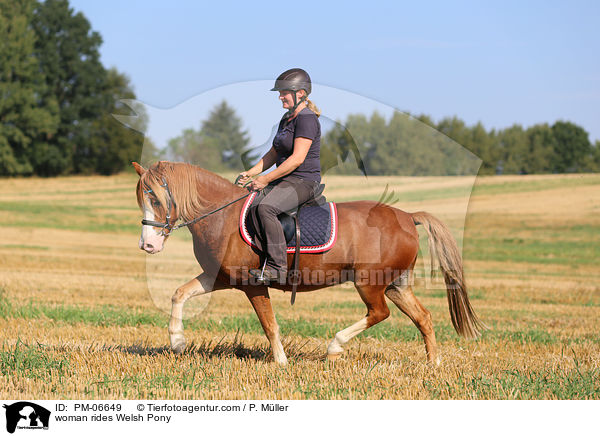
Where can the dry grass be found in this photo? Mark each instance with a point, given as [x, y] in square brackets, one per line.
[80, 320]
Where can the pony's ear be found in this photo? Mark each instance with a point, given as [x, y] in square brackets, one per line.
[138, 168]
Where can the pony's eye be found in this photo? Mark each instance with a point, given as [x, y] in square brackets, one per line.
[153, 201]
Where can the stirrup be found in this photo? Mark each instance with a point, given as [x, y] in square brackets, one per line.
[260, 277]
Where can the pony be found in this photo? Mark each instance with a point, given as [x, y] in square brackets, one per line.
[376, 249]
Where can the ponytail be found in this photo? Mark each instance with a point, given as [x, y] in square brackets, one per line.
[313, 107]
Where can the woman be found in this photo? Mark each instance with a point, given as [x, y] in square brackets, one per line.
[296, 152]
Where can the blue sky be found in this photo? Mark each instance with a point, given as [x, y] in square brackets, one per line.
[496, 62]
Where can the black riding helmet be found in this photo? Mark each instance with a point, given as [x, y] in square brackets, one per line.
[294, 79]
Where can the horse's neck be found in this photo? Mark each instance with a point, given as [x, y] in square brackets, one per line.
[212, 234]
[214, 190]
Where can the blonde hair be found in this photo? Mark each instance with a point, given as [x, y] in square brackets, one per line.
[313, 107]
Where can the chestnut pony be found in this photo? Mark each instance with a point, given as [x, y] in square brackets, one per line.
[376, 248]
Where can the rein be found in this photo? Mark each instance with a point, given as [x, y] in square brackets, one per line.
[169, 226]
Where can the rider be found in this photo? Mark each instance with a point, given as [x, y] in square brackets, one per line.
[296, 152]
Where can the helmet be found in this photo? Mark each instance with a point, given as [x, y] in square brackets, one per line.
[293, 80]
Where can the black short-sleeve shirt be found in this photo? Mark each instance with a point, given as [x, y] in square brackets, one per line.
[305, 125]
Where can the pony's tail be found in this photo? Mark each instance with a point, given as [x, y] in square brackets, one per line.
[443, 248]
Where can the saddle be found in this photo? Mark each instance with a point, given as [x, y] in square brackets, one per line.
[289, 220]
[309, 228]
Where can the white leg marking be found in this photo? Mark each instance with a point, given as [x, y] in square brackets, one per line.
[201, 285]
[278, 353]
[341, 337]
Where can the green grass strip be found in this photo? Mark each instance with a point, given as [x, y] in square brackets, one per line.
[580, 384]
[390, 330]
[31, 361]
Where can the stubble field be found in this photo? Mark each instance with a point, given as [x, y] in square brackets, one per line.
[82, 309]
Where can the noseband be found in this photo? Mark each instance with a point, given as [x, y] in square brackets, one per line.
[168, 226]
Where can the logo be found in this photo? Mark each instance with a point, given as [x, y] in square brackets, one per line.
[26, 415]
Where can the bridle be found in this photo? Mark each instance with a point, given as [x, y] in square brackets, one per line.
[168, 226]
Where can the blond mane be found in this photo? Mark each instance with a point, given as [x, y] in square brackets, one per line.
[194, 189]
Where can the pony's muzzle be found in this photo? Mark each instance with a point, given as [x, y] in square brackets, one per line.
[151, 244]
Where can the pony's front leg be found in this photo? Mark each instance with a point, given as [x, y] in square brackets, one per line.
[200, 285]
[259, 298]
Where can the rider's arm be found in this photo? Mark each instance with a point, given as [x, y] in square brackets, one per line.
[301, 147]
[266, 162]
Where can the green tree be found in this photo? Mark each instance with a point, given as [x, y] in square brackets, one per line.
[484, 144]
[571, 148]
[191, 147]
[219, 145]
[111, 147]
[412, 147]
[28, 116]
[541, 146]
[340, 153]
[405, 145]
[513, 146]
[475, 139]
[454, 128]
[595, 167]
[67, 49]
[223, 130]
[360, 133]
[373, 141]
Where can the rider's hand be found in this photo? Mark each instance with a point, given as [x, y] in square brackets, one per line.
[259, 183]
[243, 178]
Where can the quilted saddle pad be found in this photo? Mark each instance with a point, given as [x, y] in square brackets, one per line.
[318, 227]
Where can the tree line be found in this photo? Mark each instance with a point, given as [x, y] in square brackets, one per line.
[406, 145]
[403, 145]
[56, 96]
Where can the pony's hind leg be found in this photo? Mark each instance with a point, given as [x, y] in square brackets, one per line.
[200, 285]
[377, 311]
[401, 294]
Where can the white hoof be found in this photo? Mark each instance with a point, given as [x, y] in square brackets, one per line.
[332, 357]
[334, 348]
[178, 343]
[436, 362]
[281, 361]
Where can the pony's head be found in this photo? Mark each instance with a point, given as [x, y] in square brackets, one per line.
[168, 191]
[157, 203]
